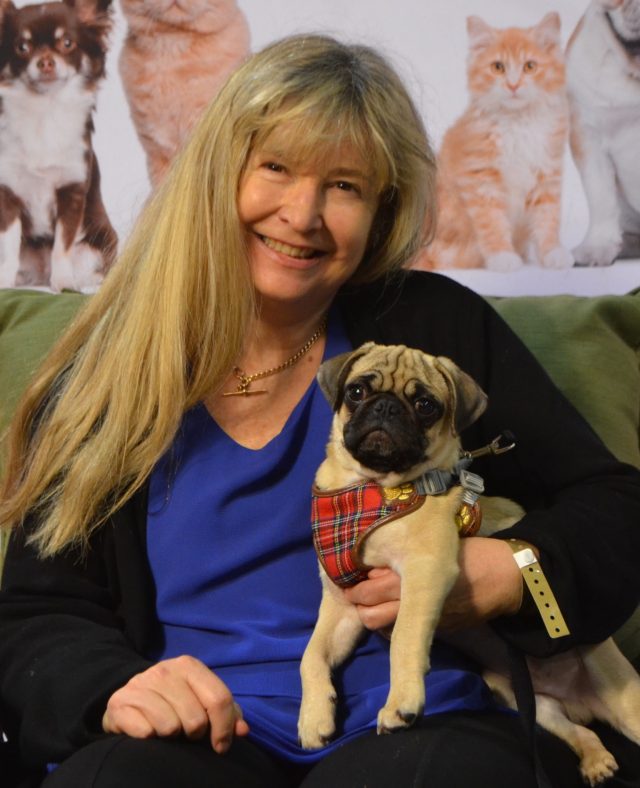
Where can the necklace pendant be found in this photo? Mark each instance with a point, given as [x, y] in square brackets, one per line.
[240, 392]
[244, 384]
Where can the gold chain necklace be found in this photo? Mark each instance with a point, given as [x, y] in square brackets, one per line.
[245, 381]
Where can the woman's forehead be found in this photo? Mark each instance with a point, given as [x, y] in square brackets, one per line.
[334, 152]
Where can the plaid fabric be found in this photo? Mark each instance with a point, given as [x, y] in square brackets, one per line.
[342, 519]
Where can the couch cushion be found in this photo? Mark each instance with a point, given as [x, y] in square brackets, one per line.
[30, 322]
[590, 346]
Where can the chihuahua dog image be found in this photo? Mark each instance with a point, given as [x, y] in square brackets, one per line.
[395, 453]
[54, 229]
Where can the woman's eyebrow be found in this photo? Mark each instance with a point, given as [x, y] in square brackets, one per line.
[349, 172]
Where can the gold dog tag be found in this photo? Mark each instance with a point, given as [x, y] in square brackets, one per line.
[469, 519]
[402, 493]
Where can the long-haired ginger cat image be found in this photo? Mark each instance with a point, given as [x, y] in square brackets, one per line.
[176, 56]
[500, 164]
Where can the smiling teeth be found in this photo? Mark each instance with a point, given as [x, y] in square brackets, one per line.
[292, 251]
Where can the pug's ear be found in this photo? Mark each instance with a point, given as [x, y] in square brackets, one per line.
[333, 374]
[468, 400]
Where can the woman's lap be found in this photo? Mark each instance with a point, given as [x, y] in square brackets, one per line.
[458, 749]
[123, 762]
[447, 751]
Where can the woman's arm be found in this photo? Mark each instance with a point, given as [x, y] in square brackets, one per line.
[63, 650]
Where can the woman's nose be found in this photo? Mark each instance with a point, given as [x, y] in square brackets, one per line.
[302, 206]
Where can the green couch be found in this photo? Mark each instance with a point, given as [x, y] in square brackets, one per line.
[589, 346]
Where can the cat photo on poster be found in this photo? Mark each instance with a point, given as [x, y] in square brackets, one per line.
[175, 57]
[501, 163]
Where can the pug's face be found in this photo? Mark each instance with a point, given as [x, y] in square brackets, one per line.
[398, 411]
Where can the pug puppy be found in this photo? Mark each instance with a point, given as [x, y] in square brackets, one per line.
[398, 415]
[395, 447]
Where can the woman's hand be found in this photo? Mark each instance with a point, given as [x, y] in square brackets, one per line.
[489, 585]
[176, 696]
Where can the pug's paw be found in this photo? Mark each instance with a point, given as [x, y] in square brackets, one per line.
[316, 723]
[597, 767]
[401, 709]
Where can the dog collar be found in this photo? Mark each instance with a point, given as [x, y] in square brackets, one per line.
[343, 519]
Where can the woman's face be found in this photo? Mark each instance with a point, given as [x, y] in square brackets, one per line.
[308, 222]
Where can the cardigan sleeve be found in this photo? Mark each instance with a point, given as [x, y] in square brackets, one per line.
[63, 649]
[583, 506]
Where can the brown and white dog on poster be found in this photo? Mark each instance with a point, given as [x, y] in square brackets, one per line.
[53, 225]
[395, 436]
[603, 80]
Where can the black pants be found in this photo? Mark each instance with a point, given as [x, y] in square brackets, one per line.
[457, 750]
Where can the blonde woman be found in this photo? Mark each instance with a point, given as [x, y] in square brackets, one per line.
[160, 584]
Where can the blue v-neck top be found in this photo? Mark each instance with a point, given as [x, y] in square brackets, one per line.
[236, 576]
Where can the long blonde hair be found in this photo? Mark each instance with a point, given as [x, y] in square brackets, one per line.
[169, 321]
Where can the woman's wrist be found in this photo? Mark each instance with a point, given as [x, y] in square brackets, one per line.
[538, 601]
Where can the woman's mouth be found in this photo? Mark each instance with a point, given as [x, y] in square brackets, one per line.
[299, 252]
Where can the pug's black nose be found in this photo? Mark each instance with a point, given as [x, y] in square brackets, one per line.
[387, 407]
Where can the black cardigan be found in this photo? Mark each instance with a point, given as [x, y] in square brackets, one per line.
[73, 630]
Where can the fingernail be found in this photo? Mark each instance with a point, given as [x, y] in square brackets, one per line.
[222, 746]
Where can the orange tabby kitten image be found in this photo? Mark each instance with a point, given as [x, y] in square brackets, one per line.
[500, 164]
[176, 56]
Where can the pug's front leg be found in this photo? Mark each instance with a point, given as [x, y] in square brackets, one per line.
[426, 579]
[334, 637]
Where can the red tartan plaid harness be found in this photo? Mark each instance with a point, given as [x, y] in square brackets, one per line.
[343, 519]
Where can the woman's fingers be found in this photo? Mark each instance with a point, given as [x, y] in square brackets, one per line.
[127, 720]
[217, 701]
[176, 696]
[377, 598]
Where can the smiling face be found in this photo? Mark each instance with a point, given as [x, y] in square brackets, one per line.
[308, 222]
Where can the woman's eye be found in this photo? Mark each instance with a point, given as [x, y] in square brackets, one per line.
[498, 67]
[356, 392]
[346, 186]
[273, 166]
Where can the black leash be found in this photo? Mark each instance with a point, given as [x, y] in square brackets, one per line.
[525, 698]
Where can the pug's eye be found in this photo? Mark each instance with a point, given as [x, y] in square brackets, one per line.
[426, 407]
[355, 392]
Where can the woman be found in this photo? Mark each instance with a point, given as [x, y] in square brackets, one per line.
[164, 582]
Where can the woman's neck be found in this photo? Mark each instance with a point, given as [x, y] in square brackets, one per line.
[276, 335]
[255, 417]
